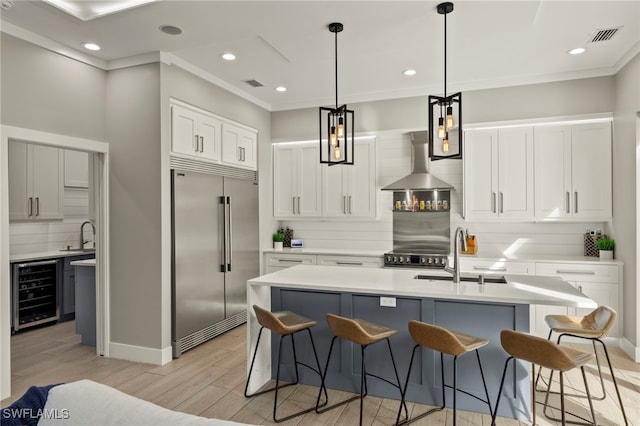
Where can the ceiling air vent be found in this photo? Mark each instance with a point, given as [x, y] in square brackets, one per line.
[604, 35]
[254, 83]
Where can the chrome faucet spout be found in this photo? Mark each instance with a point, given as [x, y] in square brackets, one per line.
[82, 240]
[458, 237]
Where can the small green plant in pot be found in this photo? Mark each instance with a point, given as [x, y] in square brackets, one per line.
[278, 239]
[606, 246]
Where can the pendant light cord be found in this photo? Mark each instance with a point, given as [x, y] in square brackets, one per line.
[336, 62]
[445, 55]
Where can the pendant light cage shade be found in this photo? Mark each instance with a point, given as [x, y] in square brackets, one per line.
[445, 112]
[336, 124]
[336, 148]
[438, 109]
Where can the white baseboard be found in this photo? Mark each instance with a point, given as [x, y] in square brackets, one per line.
[630, 349]
[140, 353]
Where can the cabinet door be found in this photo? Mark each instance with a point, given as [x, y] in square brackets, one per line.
[309, 201]
[361, 184]
[209, 133]
[515, 173]
[335, 192]
[239, 146]
[285, 179]
[480, 174]
[184, 131]
[76, 169]
[552, 155]
[48, 182]
[591, 171]
[20, 196]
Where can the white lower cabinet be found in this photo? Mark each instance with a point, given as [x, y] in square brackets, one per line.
[353, 261]
[599, 282]
[278, 261]
[487, 266]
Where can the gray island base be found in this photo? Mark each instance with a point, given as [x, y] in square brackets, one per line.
[479, 310]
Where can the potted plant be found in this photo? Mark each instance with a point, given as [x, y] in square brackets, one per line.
[278, 238]
[606, 246]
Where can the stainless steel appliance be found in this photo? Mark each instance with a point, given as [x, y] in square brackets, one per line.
[421, 218]
[215, 252]
[35, 293]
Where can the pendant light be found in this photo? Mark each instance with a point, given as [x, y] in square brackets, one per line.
[445, 112]
[336, 124]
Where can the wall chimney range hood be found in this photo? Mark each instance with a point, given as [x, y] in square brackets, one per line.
[420, 178]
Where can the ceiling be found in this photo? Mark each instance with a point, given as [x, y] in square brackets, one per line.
[287, 43]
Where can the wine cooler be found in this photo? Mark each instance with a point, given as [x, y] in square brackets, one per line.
[35, 293]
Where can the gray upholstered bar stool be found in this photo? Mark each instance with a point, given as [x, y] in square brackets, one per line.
[447, 342]
[547, 354]
[363, 333]
[285, 323]
[594, 327]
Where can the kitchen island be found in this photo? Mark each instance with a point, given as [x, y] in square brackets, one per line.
[392, 297]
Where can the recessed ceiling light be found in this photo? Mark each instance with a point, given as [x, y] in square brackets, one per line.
[170, 29]
[577, 51]
[228, 56]
[410, 71]
[91, 46]
[281, 89]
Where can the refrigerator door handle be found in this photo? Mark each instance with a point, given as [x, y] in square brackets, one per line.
[229, 226]
[223, 252]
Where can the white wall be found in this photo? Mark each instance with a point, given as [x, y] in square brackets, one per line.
[625, 218]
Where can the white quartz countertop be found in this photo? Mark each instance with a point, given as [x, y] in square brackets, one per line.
[47, 255]
[85, 262]
[327, 251]
[522, 289]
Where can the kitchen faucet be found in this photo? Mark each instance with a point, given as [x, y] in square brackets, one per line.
[82, 240]
[458, 236]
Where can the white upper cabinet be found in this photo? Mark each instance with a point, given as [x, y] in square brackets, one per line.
[296, 180]
[350, 191]
[36, 181]
[195, 133]
[76, 169]
[573, 172]
[498, 173]
[239, 146]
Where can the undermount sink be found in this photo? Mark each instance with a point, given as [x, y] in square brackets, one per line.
[466, 278]
[80, 250]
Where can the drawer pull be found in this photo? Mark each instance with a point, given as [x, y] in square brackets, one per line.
[290, 260]
[486, 268]
[349, 263]
[562, 271]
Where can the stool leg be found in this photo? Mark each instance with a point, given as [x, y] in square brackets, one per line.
[562, 398]
[324, 375]
[363, 381]
[395, 370]
[444, 395]
[455, 387]
[604, 394]
[615, 383]
[546, 398]
[586, 388]
[275, 399]
[504, 374]
[253, 360]
[315, 354]
[484, 383]
[403, 392]
[295, 358]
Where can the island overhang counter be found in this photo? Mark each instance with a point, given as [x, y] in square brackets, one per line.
[392, 297]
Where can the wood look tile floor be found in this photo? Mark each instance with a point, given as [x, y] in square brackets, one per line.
[209, 381]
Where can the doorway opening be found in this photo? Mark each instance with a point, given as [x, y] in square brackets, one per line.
[97, 154]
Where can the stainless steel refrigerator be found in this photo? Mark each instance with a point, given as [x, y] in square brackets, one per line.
[215, 252]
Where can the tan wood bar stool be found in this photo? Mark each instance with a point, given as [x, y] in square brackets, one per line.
[363, 333]
[447, 342]
[547, 354]
[285, 323]
[594, 327]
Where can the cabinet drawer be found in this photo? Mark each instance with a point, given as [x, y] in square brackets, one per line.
[354, 261]
[579, 271]
[287, 260]
[497, 267]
